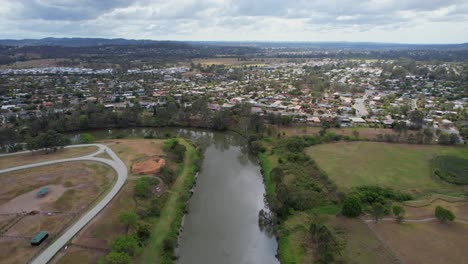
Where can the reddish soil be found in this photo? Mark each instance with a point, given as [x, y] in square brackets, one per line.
[149, 166]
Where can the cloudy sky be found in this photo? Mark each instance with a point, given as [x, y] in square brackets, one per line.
[404, 21]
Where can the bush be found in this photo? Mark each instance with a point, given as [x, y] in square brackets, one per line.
[86, 138]
[326, 243]
[143, 187]
[117, 258]
[173, 147]
[443, 214]
[352, 207]
[295, 144]
[398, 212]
[143, 232]
[125, 244]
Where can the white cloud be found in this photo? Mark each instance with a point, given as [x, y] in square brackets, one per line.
[294, 20]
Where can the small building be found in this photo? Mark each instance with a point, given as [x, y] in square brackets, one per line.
[42, 192]
[39, 238]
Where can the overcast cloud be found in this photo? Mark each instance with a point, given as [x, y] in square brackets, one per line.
[405, 21]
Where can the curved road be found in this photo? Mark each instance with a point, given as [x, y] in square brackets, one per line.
[115, 163]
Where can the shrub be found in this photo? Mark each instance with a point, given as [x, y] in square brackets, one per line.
[443, 214]
[352, 207]
[125, 244]
[398, 212]
[86, 138]
[143, 187]
[117, 258]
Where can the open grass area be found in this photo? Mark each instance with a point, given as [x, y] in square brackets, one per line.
[399, 166]
[86, 179]
[168, 224]
[74, 187]
[361, 245]
[40, 156]
[430, 242]
[451, 169]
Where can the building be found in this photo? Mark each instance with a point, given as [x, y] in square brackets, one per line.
[42, 192]
[39, 238]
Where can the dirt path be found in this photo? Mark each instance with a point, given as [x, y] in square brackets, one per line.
[422, 220]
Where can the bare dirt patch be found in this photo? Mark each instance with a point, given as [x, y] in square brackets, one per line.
[78, 255]
[16, 251]
[428, 242]
[40, 156]
[31, 224]
[86, 179]
[149, 166]
[30, 202]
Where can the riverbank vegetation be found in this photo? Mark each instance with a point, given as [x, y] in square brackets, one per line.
[153, 224]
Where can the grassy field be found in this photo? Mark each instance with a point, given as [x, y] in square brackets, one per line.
[399, 166]
[40, 156]
[167, 225]
[74, 187]
[430, 242]
[37, 63]
[237, 62]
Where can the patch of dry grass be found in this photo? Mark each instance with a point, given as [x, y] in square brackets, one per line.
[40, 156]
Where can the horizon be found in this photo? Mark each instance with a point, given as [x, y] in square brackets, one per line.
[241, 41]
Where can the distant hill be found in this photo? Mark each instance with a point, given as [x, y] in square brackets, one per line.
[74, 42]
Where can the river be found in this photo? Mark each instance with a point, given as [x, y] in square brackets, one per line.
[221, 225]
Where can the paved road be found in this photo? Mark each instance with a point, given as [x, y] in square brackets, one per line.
[115, 163]
[360, 105]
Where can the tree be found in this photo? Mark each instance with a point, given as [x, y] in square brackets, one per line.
[125, 244]
[416, 117]
[378, 211]
[444, 138]
[128, 218]
[398, 212]
[143, 232]
[443, 214]
[352, 207]
[86, 138]
[118, 258]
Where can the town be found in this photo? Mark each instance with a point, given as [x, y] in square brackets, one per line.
[398, 95]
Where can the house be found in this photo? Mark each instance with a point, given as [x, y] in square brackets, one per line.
[357, 120]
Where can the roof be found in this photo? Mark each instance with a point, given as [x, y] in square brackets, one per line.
[43, 191]
[39, 236]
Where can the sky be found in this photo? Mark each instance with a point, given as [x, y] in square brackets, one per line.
[397, 21]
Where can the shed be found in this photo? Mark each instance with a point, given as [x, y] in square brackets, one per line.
[43, 192]
[39, 238]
